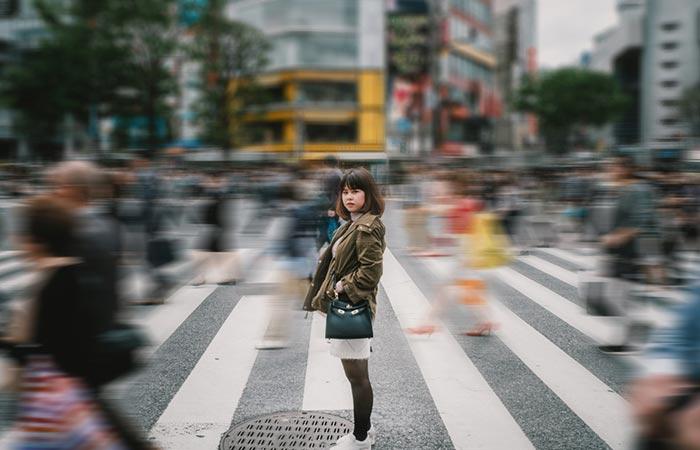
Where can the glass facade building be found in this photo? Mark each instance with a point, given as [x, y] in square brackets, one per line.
[325, 77]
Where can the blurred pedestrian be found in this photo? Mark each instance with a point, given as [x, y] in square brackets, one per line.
[634, 217]
[350, 270]
[329, 221]
[297, 258]
[214, 261]
[52, 335]
[77, 184]
[665, 395]
[416, 212]
[480, 244]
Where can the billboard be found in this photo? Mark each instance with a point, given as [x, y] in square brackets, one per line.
[408, 69]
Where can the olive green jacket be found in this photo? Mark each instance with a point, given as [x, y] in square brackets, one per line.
[357, 264]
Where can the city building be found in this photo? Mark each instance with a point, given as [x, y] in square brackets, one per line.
[325, 78]
[467, 97]
[671, 64]
[411, 60]
[654, 53]
[618, 51]
[516, 52]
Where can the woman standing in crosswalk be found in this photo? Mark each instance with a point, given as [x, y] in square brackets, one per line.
[351, 268]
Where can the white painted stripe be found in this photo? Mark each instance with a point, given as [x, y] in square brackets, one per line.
[11, 265]
[441, 268]
[602, 330]
[603, 410]
[325, 387]
[16, 282]
[9, 254]
[587, 262]
[551, 269]
[203, 408]
[472, 413]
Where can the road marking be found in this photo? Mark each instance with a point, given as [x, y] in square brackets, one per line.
[325, 387]
[472, 413]
[587, 262]
[164, 320]
[203, 408]
[603, 410]
[601, 330]
[551, 269]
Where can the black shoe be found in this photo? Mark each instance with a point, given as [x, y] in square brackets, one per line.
[623, 349]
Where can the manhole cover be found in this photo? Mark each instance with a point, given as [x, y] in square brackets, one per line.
[290, 430]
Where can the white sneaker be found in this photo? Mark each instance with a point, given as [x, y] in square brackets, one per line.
[349, 442]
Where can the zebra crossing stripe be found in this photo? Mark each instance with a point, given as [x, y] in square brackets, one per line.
[211, 392]
[601, 330]
[325, 387]
[587, 262]
[603, 410]
[452, 379]
[551, 269]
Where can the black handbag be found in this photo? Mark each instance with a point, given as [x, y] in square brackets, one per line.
[345, 320]
[116, 353]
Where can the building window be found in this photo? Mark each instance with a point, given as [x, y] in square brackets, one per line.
[325, 49]
[669, 121]
[327, 92]
[466, 69]
[670, 26]
[265, 132]
[669, 83]
[669, 64]
[337, 132]
[669, 45]
[669, 103]
[304, 13]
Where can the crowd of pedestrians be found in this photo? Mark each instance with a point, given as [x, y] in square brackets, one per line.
[81, 227]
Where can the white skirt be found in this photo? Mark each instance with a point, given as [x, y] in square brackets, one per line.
[351, 348]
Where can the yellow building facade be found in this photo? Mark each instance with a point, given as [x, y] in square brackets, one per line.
[324, 90]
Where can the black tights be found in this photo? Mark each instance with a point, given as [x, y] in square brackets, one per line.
[357, 373]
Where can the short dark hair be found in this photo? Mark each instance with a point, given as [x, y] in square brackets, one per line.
[49, 222]
[360, 178]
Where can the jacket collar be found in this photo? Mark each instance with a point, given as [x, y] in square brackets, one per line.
[367, 219]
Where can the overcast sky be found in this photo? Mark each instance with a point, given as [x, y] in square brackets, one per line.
[566, 28]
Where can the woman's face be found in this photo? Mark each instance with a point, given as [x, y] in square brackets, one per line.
[353, 199]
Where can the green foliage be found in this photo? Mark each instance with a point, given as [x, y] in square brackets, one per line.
[230, 55]
[567, 98]
[98, 59]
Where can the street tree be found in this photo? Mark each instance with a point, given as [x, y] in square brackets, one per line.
[97, 60]
[150, 35]
[568, 98]
[230, 55]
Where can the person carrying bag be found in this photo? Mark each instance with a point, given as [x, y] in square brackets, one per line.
[345, 288]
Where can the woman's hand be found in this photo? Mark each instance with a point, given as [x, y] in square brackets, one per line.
[339, 287]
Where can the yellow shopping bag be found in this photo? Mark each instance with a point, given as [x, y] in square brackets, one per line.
[487, 245]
